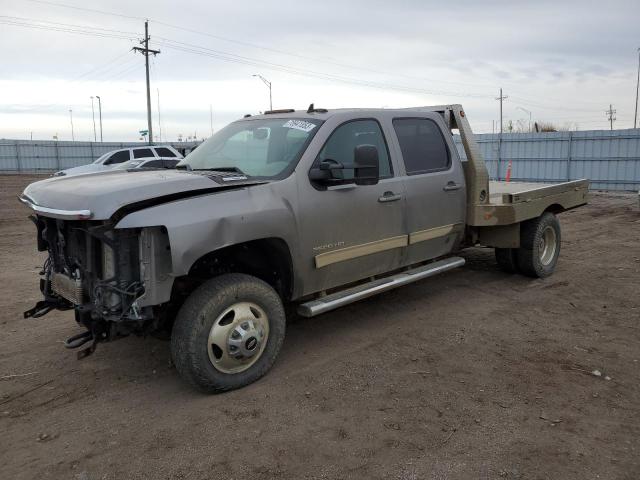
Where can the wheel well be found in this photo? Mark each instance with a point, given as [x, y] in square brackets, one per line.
[268, 259]
[555, 208]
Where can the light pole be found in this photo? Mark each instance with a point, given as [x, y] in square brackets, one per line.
[635, 115]
[71, 116]
[268, 84]
[100, 113]
[93, 115]
[211, 117]
[526, 111]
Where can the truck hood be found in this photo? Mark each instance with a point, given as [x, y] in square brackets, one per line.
[82, 169]
[98, 196]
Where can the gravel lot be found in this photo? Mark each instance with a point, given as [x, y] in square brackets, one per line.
[474, 374]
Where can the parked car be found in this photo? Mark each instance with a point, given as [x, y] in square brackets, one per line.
[164, 156]
[318, 208]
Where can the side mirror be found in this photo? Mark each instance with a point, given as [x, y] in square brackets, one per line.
[322, 172]
[366, 165]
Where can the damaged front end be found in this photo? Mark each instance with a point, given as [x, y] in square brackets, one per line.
[100, 272]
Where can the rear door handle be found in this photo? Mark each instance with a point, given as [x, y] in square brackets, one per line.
[389, 197]
[451, 186]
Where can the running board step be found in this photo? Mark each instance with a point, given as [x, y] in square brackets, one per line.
[345, 297]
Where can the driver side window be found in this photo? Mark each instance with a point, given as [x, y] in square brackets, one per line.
[341, 145]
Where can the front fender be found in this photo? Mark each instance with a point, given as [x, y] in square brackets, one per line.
[199, 225]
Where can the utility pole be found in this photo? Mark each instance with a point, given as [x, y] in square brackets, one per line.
[501, 98]
[71, 116]
[268, 84]
[146, 51]
[635, 115]
[611, 115]
[100, 111]
[93, 114]
[159, 124]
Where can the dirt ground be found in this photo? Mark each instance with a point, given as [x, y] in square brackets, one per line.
[471, 375]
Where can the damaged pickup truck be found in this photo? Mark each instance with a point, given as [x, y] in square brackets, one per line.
[313, 208]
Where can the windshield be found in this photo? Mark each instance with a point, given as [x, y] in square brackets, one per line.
[258, 148]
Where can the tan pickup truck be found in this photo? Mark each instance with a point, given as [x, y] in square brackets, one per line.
[316, 209]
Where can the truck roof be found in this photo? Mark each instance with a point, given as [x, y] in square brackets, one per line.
[323, 114]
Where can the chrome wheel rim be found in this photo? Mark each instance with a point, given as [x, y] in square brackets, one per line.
[238, 337]
[548, 245]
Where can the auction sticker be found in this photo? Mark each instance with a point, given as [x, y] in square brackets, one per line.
[300, 125]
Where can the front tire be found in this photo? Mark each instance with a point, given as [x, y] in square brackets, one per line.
[228, 333]
[539, 246]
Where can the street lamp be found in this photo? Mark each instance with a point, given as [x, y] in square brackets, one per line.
[268, 84]
[100, 110]
[71, 116]
[526, 111]
[93, 115]
[635, 115]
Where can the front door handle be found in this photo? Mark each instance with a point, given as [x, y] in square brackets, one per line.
[389, 197]
[451, 186]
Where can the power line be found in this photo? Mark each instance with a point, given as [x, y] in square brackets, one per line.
[79, 31]
[293, 54]
[329, 61]
[195, 49]
[71, 25]
[93, 10]
[243, 43]
[230, 57]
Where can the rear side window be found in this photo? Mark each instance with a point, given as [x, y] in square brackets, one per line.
[143, 153]
[423, 146]
[165, 152]
[118, 157]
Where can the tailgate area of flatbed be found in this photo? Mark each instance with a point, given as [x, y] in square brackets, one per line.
[513, 202]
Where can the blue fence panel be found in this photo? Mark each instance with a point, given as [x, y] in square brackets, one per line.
[610, 159]
[18, 156]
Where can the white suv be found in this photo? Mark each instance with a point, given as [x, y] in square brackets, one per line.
[135, 157]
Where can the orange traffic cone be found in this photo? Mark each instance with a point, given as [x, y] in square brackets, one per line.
[508, 177]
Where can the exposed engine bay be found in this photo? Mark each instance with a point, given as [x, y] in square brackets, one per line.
[99, 272]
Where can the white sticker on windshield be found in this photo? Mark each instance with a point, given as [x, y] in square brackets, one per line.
[300, 125]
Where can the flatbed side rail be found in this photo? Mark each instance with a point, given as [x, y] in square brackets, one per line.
[526, 205]
[544, 191]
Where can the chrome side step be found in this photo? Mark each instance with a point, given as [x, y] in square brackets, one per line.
[350, 295]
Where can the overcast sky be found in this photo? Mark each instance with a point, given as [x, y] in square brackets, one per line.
[565, 61]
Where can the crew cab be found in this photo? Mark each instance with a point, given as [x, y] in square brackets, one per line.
[315, 209]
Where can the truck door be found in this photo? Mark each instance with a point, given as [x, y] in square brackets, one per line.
[434, 185]
[351, 232]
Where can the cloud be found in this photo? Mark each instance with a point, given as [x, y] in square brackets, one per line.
[554, 58]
